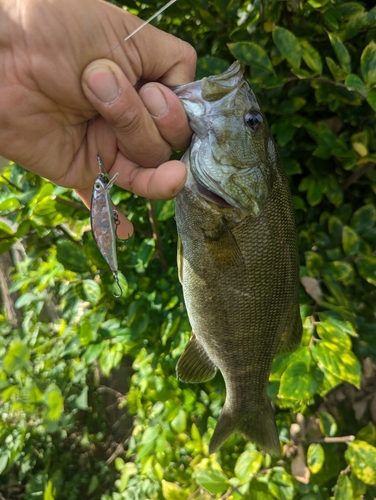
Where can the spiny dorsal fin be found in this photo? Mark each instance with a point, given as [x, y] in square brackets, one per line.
[194, 365]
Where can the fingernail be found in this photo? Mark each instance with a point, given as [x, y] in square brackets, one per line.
[154, 100]
[102, 82]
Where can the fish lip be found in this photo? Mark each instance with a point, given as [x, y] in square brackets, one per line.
[211, 196]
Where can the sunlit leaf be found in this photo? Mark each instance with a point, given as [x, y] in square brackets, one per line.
[315, 457]
[213, 480]
[289, 46]
[368, 64]
[361, 457]
[252, 55]
[248, 464]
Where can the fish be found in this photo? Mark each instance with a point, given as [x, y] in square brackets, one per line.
[104, 221]
[237, 254]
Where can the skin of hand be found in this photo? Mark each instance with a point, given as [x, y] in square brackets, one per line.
[58, 71]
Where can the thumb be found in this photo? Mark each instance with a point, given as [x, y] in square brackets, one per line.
[113, 96]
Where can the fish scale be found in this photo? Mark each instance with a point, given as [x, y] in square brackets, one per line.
[238, 263]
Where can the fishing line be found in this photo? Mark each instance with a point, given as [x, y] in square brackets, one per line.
[148, 21]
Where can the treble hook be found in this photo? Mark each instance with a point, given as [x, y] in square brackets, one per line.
[116, 278]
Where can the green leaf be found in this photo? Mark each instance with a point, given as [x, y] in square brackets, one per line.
[81, 400]
[288, 45]
[280, 484]
[88, 290]
[50, 491]
[363, 218]
[172, 491]
[87, 333]
[54, 401]
[72, 256]
[5, 229]
[338, 73]
[3, 461]
[93, 352]
[316, 191]
[26, 299]
[366, 265]
[368, 64]
[344, 365]
[297, 382]
[315, 457]
[361, 457]
[247, 465]
[206, 66]
[213, 480]
[353, 82]
[371, 98]
[252, 55]
[350, 241]
[17, 357]
[338, 270]
[179, 424]
[328, 425]
[317, 4]
[343, 489]
[341, 52]
[311, 57]
[10, 203]
[331, 332]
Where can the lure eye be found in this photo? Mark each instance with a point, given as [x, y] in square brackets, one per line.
[254, 120]
[97, 185]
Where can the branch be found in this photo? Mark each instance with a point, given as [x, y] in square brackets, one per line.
[156, 234]
[357, 175]
[339, 439]
[119, 450]
[229, 493]
[72, 204]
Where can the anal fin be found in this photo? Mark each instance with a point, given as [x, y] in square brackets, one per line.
[194, 364]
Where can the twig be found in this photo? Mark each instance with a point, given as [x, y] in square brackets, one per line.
[12, 184]
[115, 454]
[105, 388]
[229, 493]
[67, 234]
[156, 234]
[357, 175]
[72, 204]
[194, 494]
[339, 439]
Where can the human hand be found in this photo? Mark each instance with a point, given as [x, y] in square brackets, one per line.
[58, 71]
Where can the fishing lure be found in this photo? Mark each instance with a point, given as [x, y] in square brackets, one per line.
[104, 221]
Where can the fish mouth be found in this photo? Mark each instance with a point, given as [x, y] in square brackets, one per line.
[211, 196]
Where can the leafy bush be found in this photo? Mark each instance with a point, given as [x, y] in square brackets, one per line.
[313, 67]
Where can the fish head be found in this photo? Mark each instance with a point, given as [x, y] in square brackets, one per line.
[232, 155]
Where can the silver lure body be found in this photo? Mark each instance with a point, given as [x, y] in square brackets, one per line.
[103, 220]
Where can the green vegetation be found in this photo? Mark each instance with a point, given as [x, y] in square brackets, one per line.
[313, 66]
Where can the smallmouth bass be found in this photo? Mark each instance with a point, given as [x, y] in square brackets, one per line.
[237, 256]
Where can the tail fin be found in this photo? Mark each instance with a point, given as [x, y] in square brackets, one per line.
[258, 426]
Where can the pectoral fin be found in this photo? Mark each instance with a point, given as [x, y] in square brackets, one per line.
[223, 246]
[194, 365]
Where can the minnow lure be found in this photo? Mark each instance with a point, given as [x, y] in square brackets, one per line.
[104, 220]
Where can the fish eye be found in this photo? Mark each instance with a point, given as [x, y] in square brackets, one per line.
[97, 185]
[254, 120]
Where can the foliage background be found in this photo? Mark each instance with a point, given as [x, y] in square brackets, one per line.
[90, 404]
